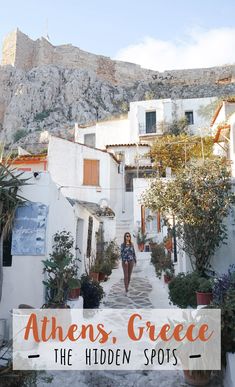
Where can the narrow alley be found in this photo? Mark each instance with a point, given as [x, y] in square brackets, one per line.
[146, 291]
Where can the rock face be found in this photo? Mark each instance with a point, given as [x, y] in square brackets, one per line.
[42, 87]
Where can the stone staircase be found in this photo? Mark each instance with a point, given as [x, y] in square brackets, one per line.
[122, 226]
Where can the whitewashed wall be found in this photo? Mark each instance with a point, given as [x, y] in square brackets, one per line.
[126, 130]
[110, 132]
[65, 163]
[193, 104]
[232, 143]
[133, 154]
[22, 282]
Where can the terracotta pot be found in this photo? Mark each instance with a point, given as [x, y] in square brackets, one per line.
[141, 247]
[101, 276]
[197, 378]
[166, 278]
[74, 294]
[204, 298]
[94, 276]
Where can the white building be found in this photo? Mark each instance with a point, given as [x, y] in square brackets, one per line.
[130, 136]
[46, 213]
[90, 177]
[145, 121]
[223, 128]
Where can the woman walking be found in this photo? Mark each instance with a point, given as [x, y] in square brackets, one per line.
[128, 259]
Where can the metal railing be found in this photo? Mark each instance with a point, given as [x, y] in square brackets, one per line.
[154, 129]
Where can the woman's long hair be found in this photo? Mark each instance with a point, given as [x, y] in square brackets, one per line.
[127, 233]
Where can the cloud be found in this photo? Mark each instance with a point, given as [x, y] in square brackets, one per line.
[199, 48]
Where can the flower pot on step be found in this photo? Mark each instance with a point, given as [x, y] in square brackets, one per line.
[101, 276]
[94, 276]
[167, 279]
[204, 298]
[74, 294]
[141, 247]
[197, 378]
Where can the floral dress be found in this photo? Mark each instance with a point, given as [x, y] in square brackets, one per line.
[127, 253]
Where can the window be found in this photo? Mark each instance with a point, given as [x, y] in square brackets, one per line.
[91, 172]
[150, 122]
[189, 117]
[89, 139]
[129, 176]
[153, 221]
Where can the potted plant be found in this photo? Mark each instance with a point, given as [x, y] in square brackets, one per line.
[204, 291]
[105, 269]
[74, 291]
[141, 239]
[162, 262]
[224, 299]
[61, 269]
[94, 271]
[112, 253]
[91, 291]
[182, 289]
[197, 377]
[168, 275]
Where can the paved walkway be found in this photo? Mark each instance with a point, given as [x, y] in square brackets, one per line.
[146, 291]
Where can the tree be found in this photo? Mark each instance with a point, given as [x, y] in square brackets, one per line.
[200, 198]
[10, 183]
[61, 269]
[176, 151]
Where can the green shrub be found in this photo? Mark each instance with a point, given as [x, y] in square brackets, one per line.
[227, 323]
[19, 134]
[112, 252]
[161, 261]
[205, 285]
[106, 267]
[91, 291]
[42, 115]
[182, 289]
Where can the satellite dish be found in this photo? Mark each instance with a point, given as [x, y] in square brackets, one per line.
[104, 203]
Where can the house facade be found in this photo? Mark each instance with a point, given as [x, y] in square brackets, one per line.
[223, 129]
[46, 212]
[129, 138]
[90, 178]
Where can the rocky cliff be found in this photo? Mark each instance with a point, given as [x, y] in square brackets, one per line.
[53, 96]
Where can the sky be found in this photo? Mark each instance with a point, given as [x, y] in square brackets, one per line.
[161, 35]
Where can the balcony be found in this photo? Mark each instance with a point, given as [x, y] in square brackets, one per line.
[147, 130]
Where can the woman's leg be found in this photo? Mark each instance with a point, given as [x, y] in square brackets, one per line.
[130, 268]
[125, 271]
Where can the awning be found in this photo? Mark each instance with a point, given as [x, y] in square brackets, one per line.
[94, 208]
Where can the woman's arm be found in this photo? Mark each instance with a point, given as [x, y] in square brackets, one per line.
[122, 250]
[134, 254]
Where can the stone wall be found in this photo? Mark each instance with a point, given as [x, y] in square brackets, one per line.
[24, 53]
